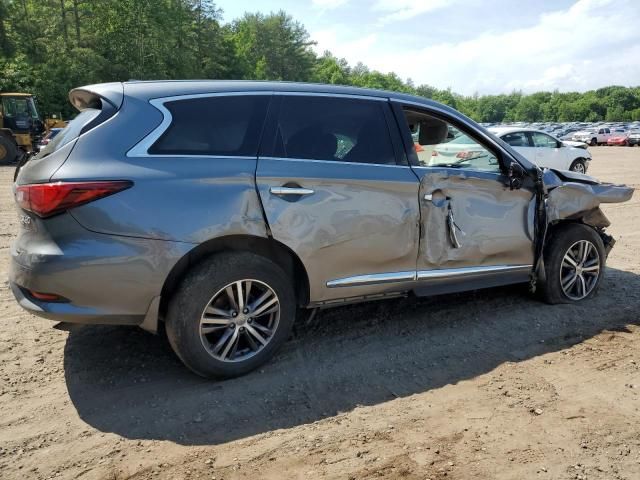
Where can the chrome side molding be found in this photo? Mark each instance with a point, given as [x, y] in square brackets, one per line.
[469, 271]
[421, 275]
[372, 278]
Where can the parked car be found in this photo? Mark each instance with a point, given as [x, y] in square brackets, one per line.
[220, 208]
[48, 137]
[619, 138]
[545, 150]
[595, 136]
[634, 138]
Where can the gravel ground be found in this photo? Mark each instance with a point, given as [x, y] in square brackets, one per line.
[489, 385]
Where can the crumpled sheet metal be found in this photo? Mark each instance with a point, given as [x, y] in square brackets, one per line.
[577, 199]
[495, 227]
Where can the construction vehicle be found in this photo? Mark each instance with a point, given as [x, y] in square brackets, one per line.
[20, 127]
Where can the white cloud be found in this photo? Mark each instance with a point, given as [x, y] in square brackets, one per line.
[591, 44]
[397, 10]
[329, 4]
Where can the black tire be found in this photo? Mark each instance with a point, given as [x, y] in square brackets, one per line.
[8, 150]
[197, 291]
[594, 142]
[563, 237]
[574, 166]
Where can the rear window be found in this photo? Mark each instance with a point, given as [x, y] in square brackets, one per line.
[229, 125]
[70, 132]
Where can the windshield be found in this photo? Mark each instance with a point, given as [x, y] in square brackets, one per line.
[19, 107]
[462, 139]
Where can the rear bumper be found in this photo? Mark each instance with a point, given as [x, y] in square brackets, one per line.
[68, 312]
[106, 279]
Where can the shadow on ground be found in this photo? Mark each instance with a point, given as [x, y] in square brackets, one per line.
[126, 381]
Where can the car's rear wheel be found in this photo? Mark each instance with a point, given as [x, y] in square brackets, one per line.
[574, 264]
[578, 166]
[231, 314]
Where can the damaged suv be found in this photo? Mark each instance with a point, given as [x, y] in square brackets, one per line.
[220, 208]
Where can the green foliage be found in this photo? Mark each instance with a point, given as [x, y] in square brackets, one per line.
[48, 47]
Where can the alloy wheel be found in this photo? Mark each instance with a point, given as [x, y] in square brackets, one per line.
[578, 167]
[580, 270]
[240, 320]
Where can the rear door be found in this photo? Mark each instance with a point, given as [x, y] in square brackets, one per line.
[337, 191]
[475, 231]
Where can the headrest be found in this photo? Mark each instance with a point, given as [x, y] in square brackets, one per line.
[432, 131]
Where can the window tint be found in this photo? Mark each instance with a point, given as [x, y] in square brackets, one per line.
[517, 139]
[214, 126]
[439, 144]
[334, 129]
[544, 141]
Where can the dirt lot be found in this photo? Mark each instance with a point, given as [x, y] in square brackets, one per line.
[491, 385]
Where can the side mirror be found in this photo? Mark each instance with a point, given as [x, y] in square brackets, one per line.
[516, 176]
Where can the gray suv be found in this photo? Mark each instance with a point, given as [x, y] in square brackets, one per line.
[222, 208]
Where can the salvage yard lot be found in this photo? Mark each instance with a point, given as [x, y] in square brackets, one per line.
[490, 384]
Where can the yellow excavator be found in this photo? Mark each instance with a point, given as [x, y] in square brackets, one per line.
[21, 126]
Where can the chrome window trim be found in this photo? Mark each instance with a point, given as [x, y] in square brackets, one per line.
[333, 162]
[417, 276]
[141, 149]
[326, 94]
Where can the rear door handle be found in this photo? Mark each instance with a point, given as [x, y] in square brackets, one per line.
[290, 191]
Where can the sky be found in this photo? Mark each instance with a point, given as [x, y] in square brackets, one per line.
[475, 46]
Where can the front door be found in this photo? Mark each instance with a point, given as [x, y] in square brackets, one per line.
[336, 191]
[476, 232]
[549, 152]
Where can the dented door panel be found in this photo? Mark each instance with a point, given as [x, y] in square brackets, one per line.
[492, 224]
[360, 220]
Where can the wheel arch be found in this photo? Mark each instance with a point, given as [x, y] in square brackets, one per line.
[265, 247]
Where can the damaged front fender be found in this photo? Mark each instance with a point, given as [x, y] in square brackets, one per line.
[572, 196]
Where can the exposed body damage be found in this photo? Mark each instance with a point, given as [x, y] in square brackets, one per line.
[471, 220]
[572, 196]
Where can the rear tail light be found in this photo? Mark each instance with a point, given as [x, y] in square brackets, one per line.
[48, 199]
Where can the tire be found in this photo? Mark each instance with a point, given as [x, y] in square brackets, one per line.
[205, 288]
[567, 238]
[594, 142]
[8, 150]
[578, 166]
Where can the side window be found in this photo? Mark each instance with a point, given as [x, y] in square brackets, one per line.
[224, 125]
[517, 139]
[440, 144]
[544, 141]
[333, 129]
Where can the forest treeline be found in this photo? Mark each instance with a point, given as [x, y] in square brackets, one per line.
[48, 47]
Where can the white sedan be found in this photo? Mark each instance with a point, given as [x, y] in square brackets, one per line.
[545, 150]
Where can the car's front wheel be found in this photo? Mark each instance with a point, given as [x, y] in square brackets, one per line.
[231, 314]
[578, 166]
[574, 264]
[594, 142]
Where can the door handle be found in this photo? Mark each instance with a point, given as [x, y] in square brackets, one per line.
[291, 191]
